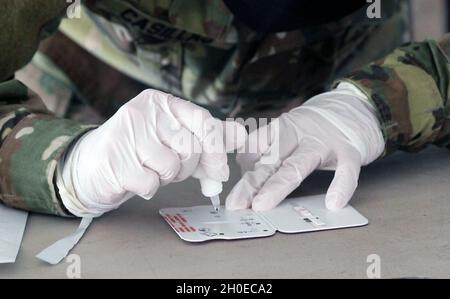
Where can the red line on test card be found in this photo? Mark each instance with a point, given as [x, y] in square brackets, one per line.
[179, 223]
[182, 218]
[171, 219]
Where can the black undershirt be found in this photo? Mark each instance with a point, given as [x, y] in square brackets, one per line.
[287, 15]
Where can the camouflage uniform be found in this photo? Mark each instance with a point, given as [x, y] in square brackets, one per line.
[197, 50]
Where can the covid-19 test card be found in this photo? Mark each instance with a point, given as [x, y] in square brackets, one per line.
[294, 215]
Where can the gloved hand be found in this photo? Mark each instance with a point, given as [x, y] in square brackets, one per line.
[153, 140]
[337, 130]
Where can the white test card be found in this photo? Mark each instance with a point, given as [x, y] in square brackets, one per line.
[203, 223]
[309, 213]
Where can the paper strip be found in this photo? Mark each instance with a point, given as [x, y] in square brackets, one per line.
[59, 250]
[12, 227]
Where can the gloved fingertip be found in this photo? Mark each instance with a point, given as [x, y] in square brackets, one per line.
[261, 204]
[235, 136]
[233, 204]
[221, 174]
[146, 197]
[236, 202]
[236, 205]
[334, 202]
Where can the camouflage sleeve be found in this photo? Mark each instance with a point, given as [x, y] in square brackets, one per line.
[410, 89]
[31, 142]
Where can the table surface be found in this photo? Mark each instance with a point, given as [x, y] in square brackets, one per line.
[406, 197]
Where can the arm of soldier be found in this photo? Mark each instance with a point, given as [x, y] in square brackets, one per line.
[32, 140]
[410, 89]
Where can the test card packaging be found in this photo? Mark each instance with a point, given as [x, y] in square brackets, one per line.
[294, 215]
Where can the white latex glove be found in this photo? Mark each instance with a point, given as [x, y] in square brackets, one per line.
[337, 130]
[153, 140]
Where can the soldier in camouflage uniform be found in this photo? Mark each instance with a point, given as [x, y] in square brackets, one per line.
[199, 51]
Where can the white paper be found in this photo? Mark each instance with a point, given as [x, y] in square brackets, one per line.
[59, 250]
[12, 228]
[294, 215]
[203, 223]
